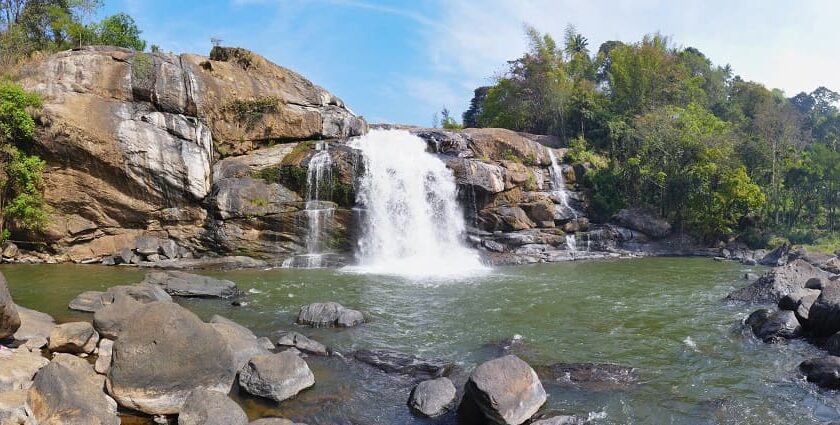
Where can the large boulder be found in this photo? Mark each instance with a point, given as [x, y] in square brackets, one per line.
[503, 391]
[110, 320]
[242, 342]
[18, 367]
[74, 338]
[204, 407]
[406, 364]
[433, 397]
[276, 376]
[184, 284]
[329, 314]
[775, 284]
[33, 325]
[643, 221]
[68, 391]
[824, 372]
[9, 318]
[824, 316]
[93, 301]
[162, 354]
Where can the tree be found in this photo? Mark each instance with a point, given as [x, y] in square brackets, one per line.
[120, 30]
[447, 122]
[21, 202]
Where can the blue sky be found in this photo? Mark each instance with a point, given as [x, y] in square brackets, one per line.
[400, 61]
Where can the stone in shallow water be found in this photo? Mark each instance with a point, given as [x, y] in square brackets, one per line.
[204, 407]
[329, 314]
[592, 376]
[276, 376]
[825, 372]
[433, 397]
[302, 343]
[780, 325]
[183, 284]
[407, 364]
[242, 342]
[503, 391]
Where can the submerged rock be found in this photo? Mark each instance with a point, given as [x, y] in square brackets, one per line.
[407, 364]
[593, 376]
[204, 407]
[779, 325]
[329, 314]
[825, 372]
[302, 343]
[276, 376]
[184, 284]
[502, 391]
[9, 317]
[164, 353]
[561, 420]
[433, 397]
[74, 338]
[68, 391]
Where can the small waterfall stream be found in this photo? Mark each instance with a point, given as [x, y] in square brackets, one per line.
[558, 183]
[319, 211]
[412, 223]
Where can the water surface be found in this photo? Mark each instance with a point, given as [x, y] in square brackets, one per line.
[664, 316]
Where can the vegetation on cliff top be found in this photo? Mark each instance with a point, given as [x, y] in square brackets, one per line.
[716, 155]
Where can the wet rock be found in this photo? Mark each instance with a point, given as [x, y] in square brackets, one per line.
[505, 218]
[643, 221]
[204, 407]
[824, 316]
[302, 343]
[13, 407]
[778, 326]
[162, 354]
[558, 420]
[329, 314]
[183, 284]
[502, 391]
[825, 372]
[433, 397]
[592, 376]
[750, 277]
[74, 338]
[832, 344]
[757, 318]
[9, 317]
[776, 257]
[33, 324]
[18, 367]
[791, 301]
[242, 342]
[103, 361]
[276, 376]
[773, 285]
[68, 391]
[402, 363]
[803, 308]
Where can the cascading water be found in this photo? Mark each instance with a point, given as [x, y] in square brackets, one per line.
[571, 242]
[558, 183]
[413, 225]
[318, 210]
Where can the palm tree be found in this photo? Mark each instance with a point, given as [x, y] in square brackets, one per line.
[575, 42]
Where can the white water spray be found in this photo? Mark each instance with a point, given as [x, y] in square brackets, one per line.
[413, 225]
[318, 212]
[571, 242]
[558, 183]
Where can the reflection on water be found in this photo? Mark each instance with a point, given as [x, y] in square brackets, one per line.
[663, 316]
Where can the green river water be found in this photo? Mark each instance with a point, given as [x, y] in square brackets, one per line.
[663, 316]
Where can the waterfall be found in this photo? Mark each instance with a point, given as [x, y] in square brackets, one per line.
[318, 211]
[571, 242]
[558, 183]
[413, 225]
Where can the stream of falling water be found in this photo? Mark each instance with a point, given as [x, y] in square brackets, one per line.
[412, 223]
[319, 211]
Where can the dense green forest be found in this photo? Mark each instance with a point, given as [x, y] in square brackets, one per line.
[665, 128]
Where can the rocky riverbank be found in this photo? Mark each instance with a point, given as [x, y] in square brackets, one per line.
[144, 356]
[805, 290]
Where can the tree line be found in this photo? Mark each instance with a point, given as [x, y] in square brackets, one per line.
[666, 129]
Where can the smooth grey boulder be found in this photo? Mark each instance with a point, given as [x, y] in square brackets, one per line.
[9, 317]
[276, 376]
[824, 315]
[18, 367]
[110, 320]
[182, 284]
[407, 364]
[241, 341]
[825, 371]
[73, 338]
[88, 301]
[93, 301]
[68, 391]
[503, 391]
[433, 397]
[162, 354]
[103, 359]
[203, 407]
[329, 314]
[302, 343]
[775, 284]
[780, 325]
[33, 324]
